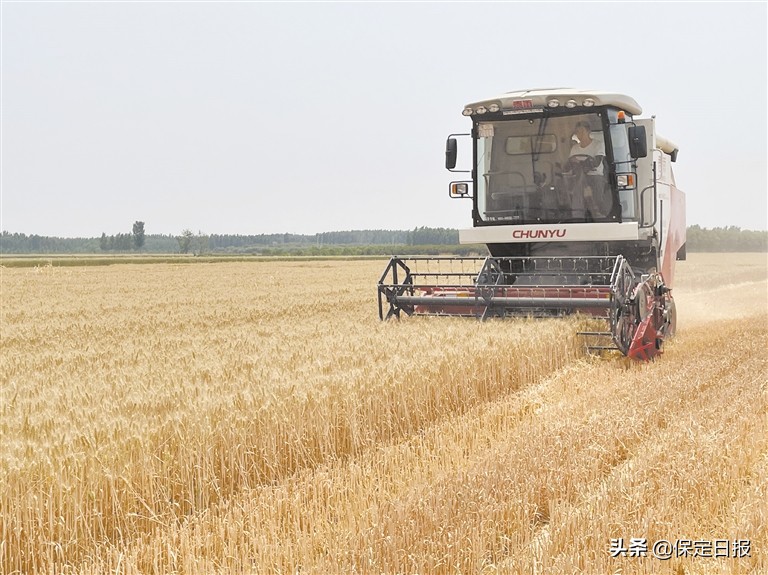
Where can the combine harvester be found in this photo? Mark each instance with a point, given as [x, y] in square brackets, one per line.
[577, 204]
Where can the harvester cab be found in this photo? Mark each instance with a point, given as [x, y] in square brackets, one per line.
[576, 201]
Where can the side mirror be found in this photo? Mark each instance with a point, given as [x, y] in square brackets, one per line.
[451, 150]
[638, 145]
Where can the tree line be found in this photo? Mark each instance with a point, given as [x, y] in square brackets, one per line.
[124, 242]
[352, 242]
[728, 239]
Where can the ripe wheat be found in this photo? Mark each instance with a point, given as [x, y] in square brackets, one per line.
[257, 417]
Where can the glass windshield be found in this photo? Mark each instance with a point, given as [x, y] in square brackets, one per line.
[543, 170]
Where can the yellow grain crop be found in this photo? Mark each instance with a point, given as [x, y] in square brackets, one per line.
[257, 417]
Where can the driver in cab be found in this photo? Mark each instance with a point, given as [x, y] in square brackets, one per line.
[586, 158]
[587, 152]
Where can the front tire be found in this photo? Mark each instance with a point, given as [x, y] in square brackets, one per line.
[670, 313]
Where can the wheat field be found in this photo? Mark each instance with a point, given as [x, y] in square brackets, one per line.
[257, 417]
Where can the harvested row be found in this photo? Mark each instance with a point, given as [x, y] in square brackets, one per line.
[538, 481]
[137, 400]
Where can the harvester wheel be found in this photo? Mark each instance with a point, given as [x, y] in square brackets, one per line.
[671, 316]
[625, 325]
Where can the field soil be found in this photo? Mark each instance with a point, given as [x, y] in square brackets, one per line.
[257, 417]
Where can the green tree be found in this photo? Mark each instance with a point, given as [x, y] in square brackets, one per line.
[138, 235]
[185, 241]
[200, 244]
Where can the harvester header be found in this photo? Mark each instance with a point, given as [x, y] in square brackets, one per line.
[576, 202]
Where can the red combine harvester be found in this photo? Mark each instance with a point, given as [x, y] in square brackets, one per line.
[576, 201]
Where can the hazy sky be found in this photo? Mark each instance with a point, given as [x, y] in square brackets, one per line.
[306, 117]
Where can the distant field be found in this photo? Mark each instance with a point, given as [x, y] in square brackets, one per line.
[257, 417]
[63, 260]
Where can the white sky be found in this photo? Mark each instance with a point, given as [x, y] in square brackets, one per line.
[274, 117]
